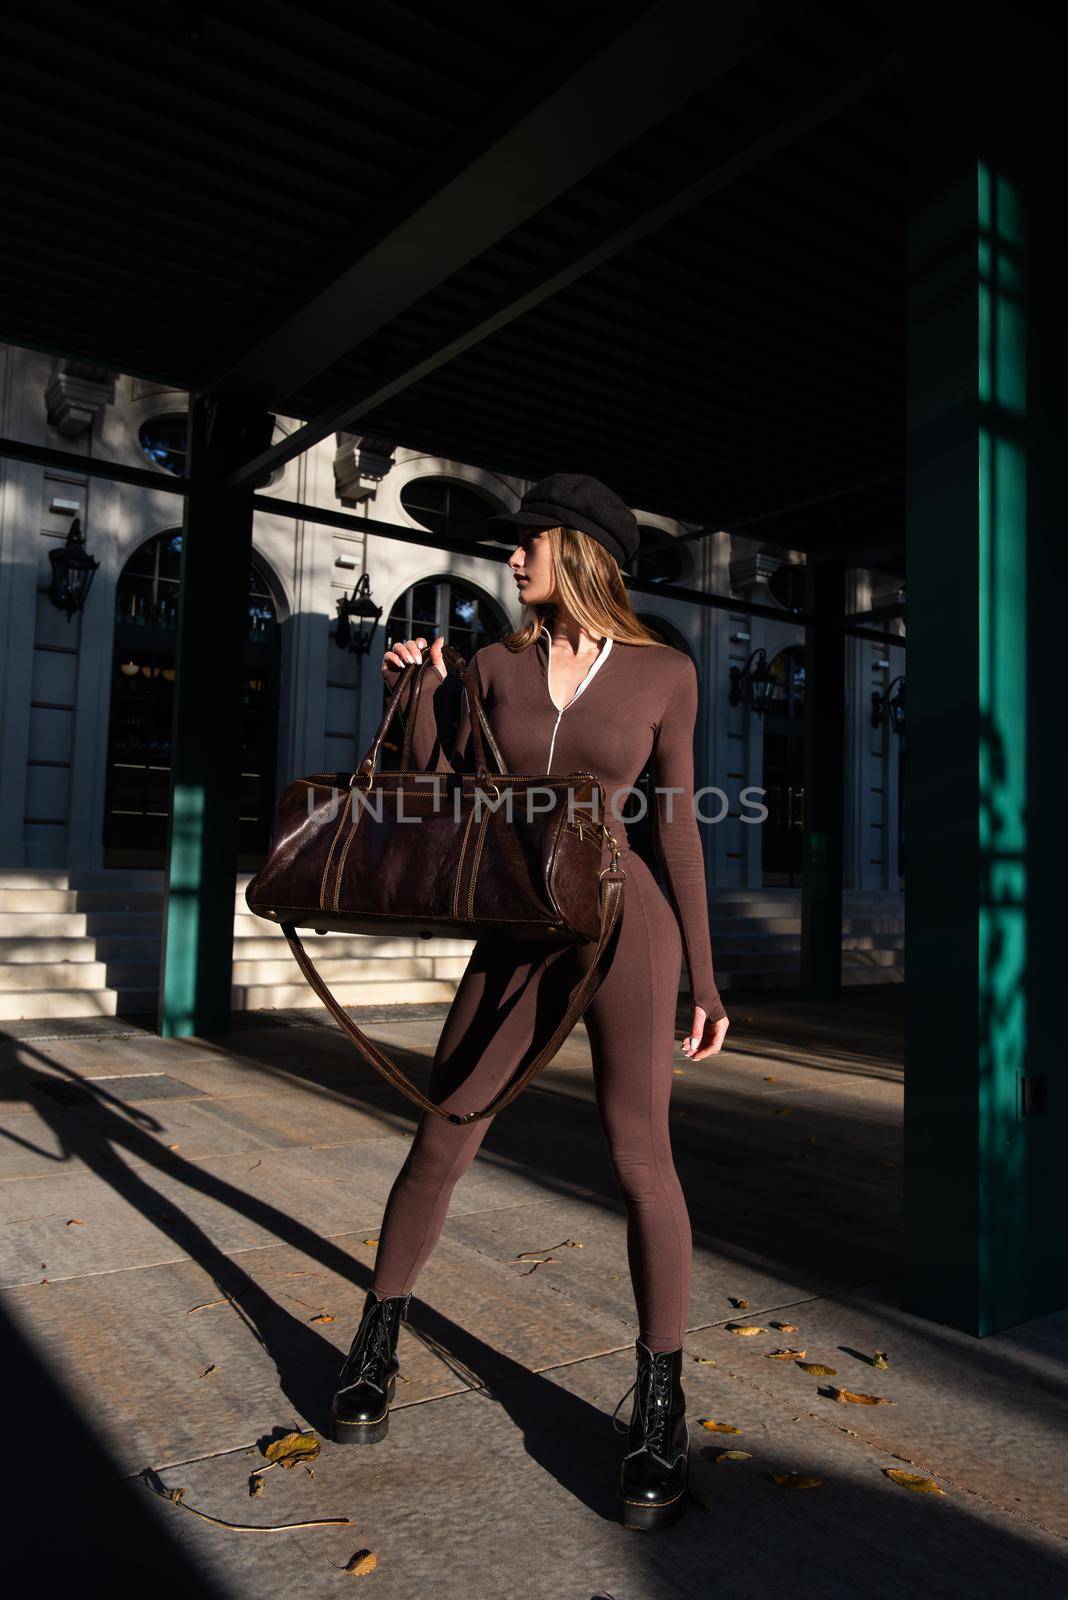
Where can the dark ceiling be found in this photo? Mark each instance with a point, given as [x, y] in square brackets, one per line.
[179, 179]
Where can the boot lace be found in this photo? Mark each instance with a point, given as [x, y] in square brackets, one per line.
[371, 1346]
[651, 1390]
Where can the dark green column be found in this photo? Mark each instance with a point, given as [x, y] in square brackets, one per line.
[985, 1090]
[201, 865]
[821, 867]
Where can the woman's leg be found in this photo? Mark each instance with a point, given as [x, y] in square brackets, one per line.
[497, 1013]
[631, 1024]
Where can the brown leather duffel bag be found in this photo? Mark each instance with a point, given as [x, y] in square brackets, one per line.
[349, 855]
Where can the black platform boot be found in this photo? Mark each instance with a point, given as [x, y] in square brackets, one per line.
[368, 1380]
[653, 1473]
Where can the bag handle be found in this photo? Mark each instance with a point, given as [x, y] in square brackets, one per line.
[481, 732]
[475, 703]
[612, 883]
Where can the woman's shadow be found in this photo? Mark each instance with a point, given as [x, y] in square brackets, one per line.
[103, 1131]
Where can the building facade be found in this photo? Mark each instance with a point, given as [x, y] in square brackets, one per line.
[84, 765]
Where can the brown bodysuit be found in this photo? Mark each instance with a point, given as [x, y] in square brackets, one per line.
[635, 702]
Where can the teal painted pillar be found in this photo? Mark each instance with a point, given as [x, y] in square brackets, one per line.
[985, 1090]
[201, 865]
[821, 862]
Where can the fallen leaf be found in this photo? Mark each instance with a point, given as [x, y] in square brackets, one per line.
[363, 1561]
[771, 1080]
[75, 1222]
[913, 1480]
[816, 1369]
[785, 1355]
[208, 1370]
[291, 1448]
[255, 1484]
[794, 1480]
[718, 1427]
[879, 1360]
[847, 1396]
[742, 1305]
[732, 1455]
[784, 1327]
[705, 1361]
[746, 1329]
[174, 1147]
[324, 1316]
[370, 1241]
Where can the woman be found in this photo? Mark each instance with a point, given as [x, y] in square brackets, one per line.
[580, 686]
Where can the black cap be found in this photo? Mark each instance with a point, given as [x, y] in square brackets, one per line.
[572, 500]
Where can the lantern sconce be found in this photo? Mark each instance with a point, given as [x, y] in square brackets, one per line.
[359, 607]
[753, 682]
[73, 570]
[890, 703]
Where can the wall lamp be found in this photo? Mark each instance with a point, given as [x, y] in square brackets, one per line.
[73, 570]
[358, 608]
[753, 683]
[890, 702]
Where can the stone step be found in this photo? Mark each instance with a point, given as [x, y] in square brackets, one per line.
[33, 950]
[75, 924]
[42, 900]
[257, 997]
[17, 976]
[349, 970]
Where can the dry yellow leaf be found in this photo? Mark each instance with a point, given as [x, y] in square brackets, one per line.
[846, 1396]
[363, 1561]
[745, 1328]
[785, 1355]
[704, 1361]
[75, 1222]
[771, 1080]
[816, 1369]
[794, 1480]
[255, 1485]
[738, 1303]
[324, 1316]
[732, 1455]
[879, 1360]
[370, 1241]
[718, 1427]
[783, 1327]
[913, 1480]
[293, 1447]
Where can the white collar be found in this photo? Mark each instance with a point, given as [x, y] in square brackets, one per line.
[602, 657]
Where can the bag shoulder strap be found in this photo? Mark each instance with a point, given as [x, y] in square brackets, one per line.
[612, 885]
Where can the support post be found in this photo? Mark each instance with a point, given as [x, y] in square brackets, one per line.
[201, 865]
[986, 1097]
[824, 809]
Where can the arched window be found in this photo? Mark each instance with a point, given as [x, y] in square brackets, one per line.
[164, 441]
[660, 558]
[142, 699]
[453, 510]
[466, 616]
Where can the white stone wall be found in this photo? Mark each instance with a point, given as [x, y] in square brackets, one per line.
[55, 677]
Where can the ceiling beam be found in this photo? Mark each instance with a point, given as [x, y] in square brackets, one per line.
[592, 252]
[570, 122]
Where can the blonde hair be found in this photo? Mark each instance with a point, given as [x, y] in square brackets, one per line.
[590, 587]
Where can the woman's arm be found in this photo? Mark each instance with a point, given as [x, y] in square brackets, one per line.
[677, 840]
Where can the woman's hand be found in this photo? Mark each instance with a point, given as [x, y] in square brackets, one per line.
[412, 650]
[705, 1038]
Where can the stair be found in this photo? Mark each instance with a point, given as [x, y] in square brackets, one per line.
[87, 944]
